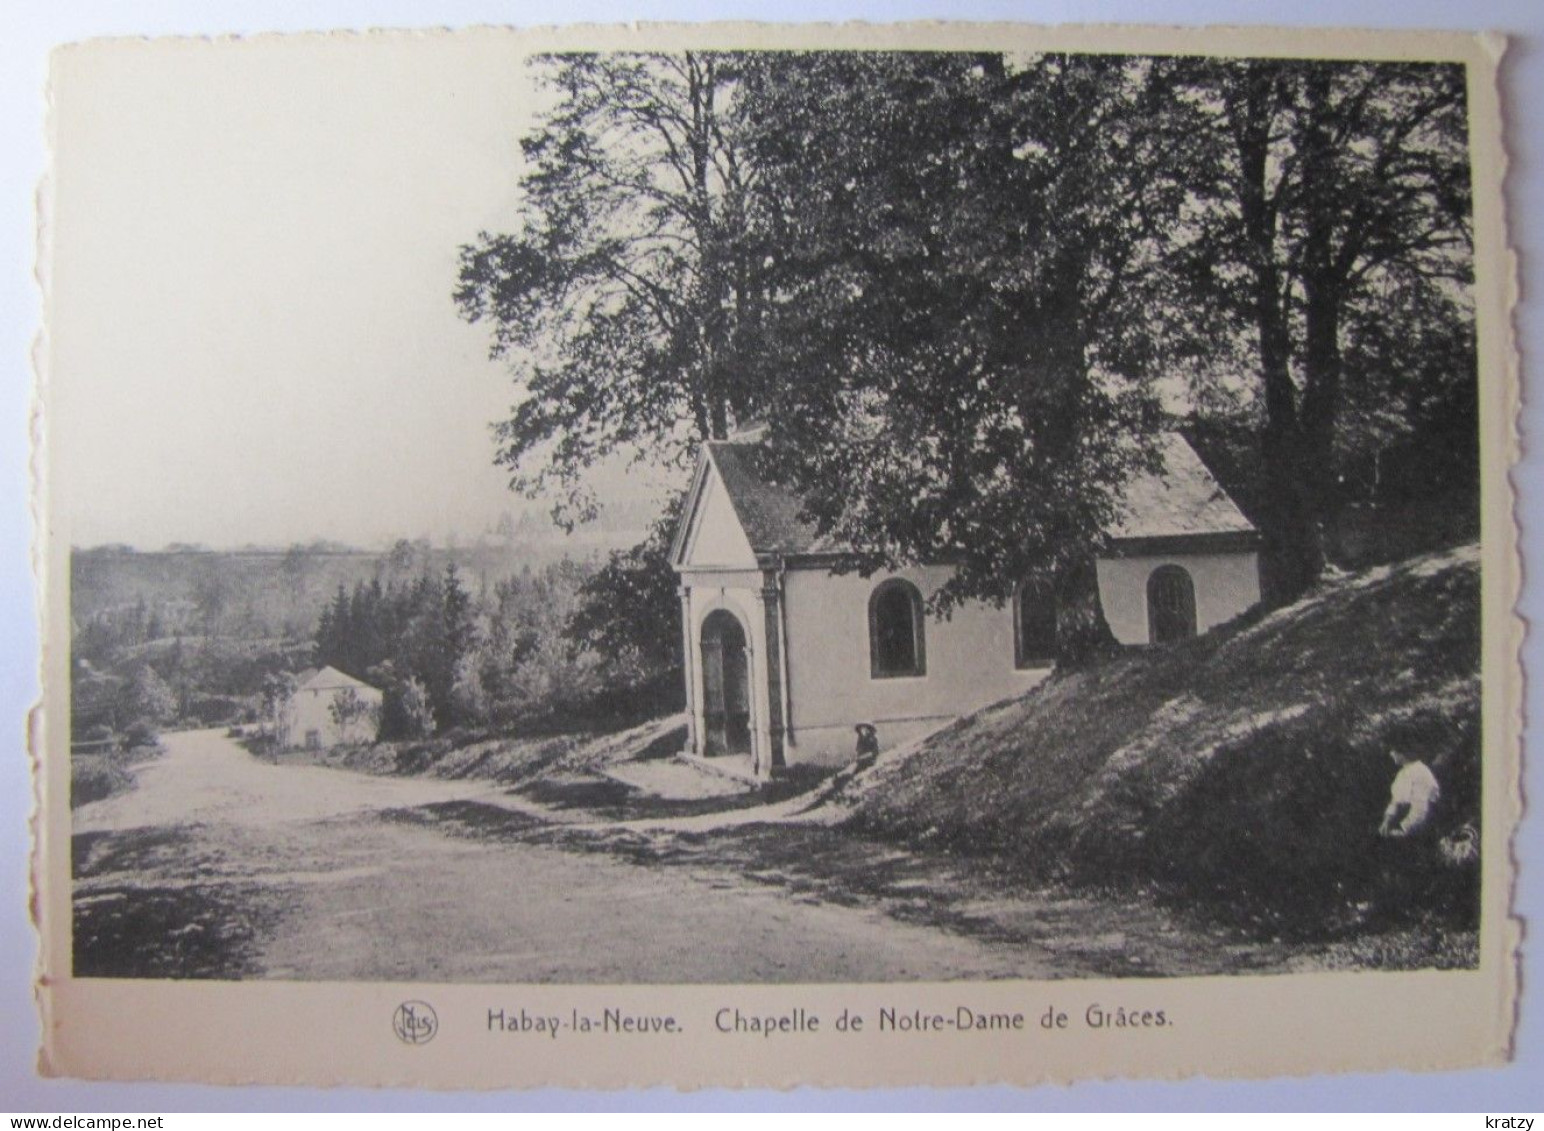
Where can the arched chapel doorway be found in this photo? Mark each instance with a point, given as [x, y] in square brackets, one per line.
[1171, 605]
[726, 685]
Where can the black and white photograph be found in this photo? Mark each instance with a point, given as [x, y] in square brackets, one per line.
[717, 515]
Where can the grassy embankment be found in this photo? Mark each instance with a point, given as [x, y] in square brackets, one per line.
[1242, 774]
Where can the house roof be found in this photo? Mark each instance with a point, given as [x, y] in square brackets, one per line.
[1183, 501]
[331, 679]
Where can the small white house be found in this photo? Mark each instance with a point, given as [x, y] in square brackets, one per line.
[328, 708]
[785, 656]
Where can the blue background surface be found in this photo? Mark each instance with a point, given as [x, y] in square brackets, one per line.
[28, 28]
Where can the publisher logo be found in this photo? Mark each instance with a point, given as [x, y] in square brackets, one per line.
[415, 1022]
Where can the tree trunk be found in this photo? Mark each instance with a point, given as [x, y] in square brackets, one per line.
[1082, 633]
[1321, 399]
[1293, 558]
[1323, 288]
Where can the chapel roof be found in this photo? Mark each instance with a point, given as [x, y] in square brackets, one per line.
[769, 513]
[1182, 501]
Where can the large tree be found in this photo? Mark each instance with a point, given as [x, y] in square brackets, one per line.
[1332, 203]
[931, 273]
[967, 270]
[627, 301]
[947, 281]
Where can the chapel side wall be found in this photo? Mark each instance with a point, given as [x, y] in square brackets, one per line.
[1226, 584]
[970, 663]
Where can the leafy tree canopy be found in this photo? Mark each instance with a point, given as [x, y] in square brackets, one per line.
[957, 287]
[626, 301]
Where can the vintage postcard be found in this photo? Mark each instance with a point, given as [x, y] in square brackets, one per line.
[748, 555]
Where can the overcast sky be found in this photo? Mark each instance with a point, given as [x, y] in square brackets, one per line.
[252, 334]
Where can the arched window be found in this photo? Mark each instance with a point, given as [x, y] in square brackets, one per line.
[1034, 627]
[1171, 605]
[896, 645]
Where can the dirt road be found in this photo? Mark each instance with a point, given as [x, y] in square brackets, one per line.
[221, 865]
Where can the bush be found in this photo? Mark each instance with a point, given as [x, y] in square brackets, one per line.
[405, 711]
[100, 733]
[216, 710]
[468, 696]
[94, 777]
[141, 732]
[147, 696]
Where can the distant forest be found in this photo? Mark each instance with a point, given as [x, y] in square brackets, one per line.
[465, 637]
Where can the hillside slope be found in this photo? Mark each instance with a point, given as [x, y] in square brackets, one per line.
[1243, 772]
